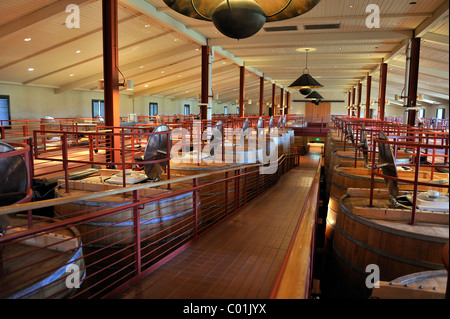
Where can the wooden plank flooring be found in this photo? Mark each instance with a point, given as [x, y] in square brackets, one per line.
[240, 258]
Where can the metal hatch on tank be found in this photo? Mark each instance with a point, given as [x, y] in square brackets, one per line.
[13, 176]
[217, 132]
[157, 149]
[387, 165]
[364, 146]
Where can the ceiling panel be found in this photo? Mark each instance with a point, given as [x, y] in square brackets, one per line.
[155, 39]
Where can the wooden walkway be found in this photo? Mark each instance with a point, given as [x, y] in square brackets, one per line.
[241, 258]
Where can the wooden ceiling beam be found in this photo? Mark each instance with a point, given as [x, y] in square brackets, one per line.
[331, 37]
[39, 15]
[181, 51]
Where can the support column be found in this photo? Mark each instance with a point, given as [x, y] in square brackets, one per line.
[358, 110]
[353, 100]
[206, 98]
[111, 72]
[368, 89]
[282, 101]
[241, 91]
[349, 102]
[273, 98]
[413, 80]
[288, 102]
[382, 91]
[261, 96]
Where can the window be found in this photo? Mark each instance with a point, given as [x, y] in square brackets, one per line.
[225, 110]
[153, 109]
[187, 109]
[5, 115]
[440, 113]
[237, 110]
[421, 113]
[98, 108]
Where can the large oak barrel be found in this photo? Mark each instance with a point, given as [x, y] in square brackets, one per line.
[347, 159]
[109, 242]
[396, 247]
[349, 177]
[217, 200]
[30, 272]
[419, 285]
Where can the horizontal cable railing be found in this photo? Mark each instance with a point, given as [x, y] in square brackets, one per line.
[97, 242]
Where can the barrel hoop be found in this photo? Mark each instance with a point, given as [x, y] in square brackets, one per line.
[385, 254]
[379, 180]
[143, 222]
[57, 275]
[339, 186]
[119, 204]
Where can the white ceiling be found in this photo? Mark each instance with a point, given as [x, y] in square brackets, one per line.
[159, 49]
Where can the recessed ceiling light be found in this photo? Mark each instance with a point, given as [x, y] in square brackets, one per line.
[146, 85]
[147, 26]
[30, 69]
[306, 49]
[77, 51]
[27, 39]
[141, 67]
[72, 74]
[162, 72]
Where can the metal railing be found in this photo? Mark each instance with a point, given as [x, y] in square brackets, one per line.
[104, 239]
[297, 266]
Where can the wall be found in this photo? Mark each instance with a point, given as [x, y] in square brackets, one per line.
[33, 103]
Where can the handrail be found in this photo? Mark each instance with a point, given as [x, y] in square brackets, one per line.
[98, 194]
[139, 264]
[415, 182]
[295, 276]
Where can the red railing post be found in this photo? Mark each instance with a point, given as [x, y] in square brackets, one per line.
[137, 232]
[65, 163]
[236, 190]
[226, 193]
[372, 175]
[195, 210]
[416, 178]
[168, 159]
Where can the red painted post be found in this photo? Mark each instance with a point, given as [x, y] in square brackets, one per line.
[261, 96]
[382, 91]
[358, 114]
[368, 89]
[241, 91]
[195, 200]
[137, 232]
[226, 193]
[65, 164]
[206, 52]
[110, 10]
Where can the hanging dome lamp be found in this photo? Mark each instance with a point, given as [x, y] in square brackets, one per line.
[305, 82]
[240, 19]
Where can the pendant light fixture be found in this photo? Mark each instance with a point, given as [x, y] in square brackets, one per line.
[315, 97]
[305, 82]
[241, 19]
